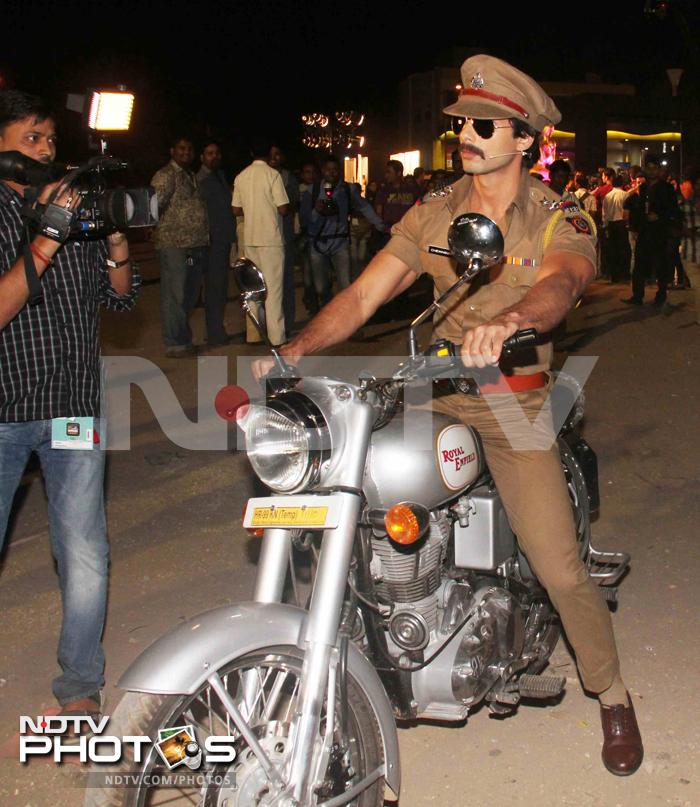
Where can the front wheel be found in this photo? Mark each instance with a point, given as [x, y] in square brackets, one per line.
[356, 751]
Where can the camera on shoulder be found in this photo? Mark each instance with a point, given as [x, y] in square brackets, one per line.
[104, 206]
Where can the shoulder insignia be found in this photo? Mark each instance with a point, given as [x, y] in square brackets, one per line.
[559, 204]
[569, 205]
[439, 193]
[581, 221]
[580, 224]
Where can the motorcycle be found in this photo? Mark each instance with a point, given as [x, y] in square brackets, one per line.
[422, 605]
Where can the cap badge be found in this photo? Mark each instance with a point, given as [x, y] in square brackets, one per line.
[477, 82]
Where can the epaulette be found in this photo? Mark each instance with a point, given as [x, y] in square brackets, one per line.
[560, 204]
[438, 193]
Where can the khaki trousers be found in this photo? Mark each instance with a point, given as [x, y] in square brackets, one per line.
[534, 493]
[270, 261]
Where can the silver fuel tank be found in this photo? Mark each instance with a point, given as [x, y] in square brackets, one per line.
[402, 466]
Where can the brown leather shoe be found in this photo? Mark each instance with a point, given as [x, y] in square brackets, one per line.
[622, 743]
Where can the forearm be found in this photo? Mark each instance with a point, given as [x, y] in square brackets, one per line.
[336, 321]
[119, 277]
[14, 291]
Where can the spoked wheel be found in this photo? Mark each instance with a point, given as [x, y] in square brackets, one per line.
[578, 493]
[275, 673]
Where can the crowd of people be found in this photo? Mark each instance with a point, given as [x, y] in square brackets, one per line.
[313, 221]
[646, 221]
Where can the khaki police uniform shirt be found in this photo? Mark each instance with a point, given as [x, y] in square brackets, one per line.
[259, 190]
[532, 229]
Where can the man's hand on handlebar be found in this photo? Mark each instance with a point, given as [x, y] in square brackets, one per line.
[482, 346]
[261, 367]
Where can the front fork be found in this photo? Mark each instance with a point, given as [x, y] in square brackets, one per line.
[321, 630]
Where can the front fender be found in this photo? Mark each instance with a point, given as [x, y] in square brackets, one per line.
[179, 662]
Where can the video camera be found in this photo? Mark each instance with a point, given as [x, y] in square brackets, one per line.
[328, 205]
[102, 210]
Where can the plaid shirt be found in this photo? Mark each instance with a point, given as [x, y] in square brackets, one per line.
[50, 352]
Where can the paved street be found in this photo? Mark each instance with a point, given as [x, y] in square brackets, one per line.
[178, 548]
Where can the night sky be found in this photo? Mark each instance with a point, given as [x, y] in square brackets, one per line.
[231, 70]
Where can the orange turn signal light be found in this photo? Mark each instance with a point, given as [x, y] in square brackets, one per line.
[402, 524]
[256, 532]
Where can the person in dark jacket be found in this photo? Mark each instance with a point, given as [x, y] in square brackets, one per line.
[657, 239]
[325, 214]
[216, 192]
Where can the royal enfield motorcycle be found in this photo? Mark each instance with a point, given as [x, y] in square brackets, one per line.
[422, 607]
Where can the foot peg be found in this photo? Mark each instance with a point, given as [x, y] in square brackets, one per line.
[609, 593]
[540, 686]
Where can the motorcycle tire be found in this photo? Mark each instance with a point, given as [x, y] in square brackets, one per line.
[241, 783]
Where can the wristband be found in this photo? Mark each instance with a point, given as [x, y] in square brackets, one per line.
[39, 254]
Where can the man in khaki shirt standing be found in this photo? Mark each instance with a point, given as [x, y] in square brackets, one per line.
[549, 260]
[260, 198]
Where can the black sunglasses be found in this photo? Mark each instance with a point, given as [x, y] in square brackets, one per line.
[484, 127]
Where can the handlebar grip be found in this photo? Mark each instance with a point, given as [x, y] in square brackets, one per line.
[520, 340]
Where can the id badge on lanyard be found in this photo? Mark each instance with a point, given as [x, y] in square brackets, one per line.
[74, 433]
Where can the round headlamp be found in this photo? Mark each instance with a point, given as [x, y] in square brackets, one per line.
[287, 442]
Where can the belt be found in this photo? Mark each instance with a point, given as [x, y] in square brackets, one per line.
[515, 383]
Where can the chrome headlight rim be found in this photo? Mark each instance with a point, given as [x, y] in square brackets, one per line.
[303, 412]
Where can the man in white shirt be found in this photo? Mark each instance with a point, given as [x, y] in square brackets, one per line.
[260, 199]
[617, 245]
[585, 198]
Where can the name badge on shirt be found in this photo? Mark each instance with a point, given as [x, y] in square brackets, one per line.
[433, 250]
[73, 433]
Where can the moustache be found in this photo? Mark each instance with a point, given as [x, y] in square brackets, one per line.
[472, 150]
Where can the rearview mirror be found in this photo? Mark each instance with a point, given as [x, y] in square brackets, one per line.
[250, 280]
[475, 238]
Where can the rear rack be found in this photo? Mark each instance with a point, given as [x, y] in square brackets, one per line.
[606, 568]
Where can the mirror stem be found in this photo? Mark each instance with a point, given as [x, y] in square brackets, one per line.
[474, 267]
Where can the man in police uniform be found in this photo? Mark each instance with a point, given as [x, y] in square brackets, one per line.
[549, 260]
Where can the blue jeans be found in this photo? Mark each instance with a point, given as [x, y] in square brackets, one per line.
[75, 488]
[323, 265]
[181, 272]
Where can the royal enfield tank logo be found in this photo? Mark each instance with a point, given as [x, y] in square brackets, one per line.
[456, 456]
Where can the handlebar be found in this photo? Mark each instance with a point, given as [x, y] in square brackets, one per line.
[442, 358]
[520, 340]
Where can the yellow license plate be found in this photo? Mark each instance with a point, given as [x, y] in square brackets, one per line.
[289, 516]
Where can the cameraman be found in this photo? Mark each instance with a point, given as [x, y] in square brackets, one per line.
[324, 213]
[50, 370]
